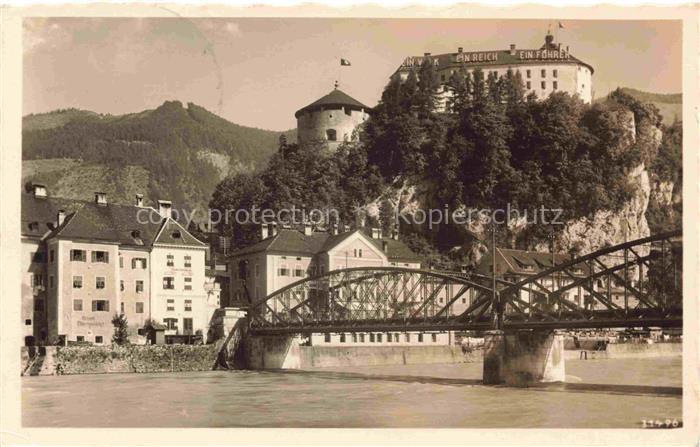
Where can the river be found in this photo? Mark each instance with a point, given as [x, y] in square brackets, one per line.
[598, 394]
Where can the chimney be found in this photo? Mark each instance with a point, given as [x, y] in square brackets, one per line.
[376, 233]
[426, 54]
[395, 234]
[139, 200]
[39, 190]
[165, 208]
[460, 50]
[101, 198]
[273, 225]
[334, 229]
[307, 229]
[61, 217]
[512, 49]
[346, 228]
[264, 231]
[385, 247]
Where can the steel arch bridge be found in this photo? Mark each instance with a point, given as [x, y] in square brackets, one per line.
[638, 283]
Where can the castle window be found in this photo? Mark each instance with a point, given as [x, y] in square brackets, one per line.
[544, 73]
[555, 85]
[331, 135]
[544, 85]
[348, 112]
[529, 85]
[554, 73]
[528, 73]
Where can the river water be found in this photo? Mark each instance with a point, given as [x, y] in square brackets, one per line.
[598, 393]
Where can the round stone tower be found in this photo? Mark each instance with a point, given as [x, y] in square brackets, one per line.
[330, 120]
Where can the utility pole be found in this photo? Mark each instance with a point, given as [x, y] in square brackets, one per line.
[495, 297]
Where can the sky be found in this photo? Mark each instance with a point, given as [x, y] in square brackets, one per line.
[258, 71]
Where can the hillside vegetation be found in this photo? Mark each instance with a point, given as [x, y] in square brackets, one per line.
[670, 105]
[497, 148]
[174, 152]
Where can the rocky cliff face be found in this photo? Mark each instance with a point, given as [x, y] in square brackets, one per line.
[577, 236]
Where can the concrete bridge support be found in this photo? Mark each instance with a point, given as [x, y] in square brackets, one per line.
[523, 357]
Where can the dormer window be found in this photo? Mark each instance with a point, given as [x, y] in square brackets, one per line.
[176, 234]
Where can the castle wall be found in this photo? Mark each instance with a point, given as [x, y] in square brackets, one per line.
[312, 126]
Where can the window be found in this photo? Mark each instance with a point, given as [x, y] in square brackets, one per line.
[98, 339]
[100, 282]
[100, 306]
[171, 261]
[440, 300]
[544, 73]
[362, 338]
[342, 338]
[188, 261]
[139, 286]
[51, 282]
[396, 338]
[371, 337]
[80, 338]
[38, 257]
[28, 322]
[434, 337]
[327, 337]
[168, 283]
[420, 338]
[188, 305]
[187, 326]
[139, 307]
[388, 337]
[379, 338]
[544, 85]
[464, 301]
[77, 255]
[188, 283]
[170, 323]
[138, 263]
[298, 272]
[171, 304]
[38, 305]
[121, 307]
[554, 73]
[283, 271]
[407, 338]
[121, 285]
[100, 256]
[555, 85]
[257, 270]
[354, 337]
[529, 85]
[77, 305]
[331, 135]
[527, 72]
[77, 282]
[359, 252]
[121, 262]
[38, 280]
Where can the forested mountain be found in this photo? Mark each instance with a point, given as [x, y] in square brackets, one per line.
[173, 152]
[670, 105]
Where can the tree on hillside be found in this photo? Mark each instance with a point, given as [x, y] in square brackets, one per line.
[232, 202]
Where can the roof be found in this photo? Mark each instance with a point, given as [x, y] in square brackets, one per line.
[111, 223]
[295, 242]
[521, 262]
[335, 99]
[521, 56]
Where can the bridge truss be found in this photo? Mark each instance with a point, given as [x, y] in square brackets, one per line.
[628, 285]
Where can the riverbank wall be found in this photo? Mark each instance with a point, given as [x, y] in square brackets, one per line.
[321, 357]
[60, 360]
[627, 350]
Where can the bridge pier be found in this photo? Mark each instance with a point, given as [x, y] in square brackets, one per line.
[520, 358]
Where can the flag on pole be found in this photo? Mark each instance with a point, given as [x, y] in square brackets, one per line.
[561, 26]
[344, 62]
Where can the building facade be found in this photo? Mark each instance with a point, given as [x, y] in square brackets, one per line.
[84, 262]
[330, 120]
[289, 255]
[544, 70]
